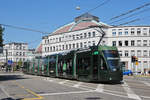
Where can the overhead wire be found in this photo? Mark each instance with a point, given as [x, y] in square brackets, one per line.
[135, 20]
[134, 14]
[26, 29]
[130, 11]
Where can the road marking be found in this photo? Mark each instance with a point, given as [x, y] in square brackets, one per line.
[146, 83]
[130, 93]
[100, 88]
[39, 97]
[31, 92]
[63, 93]
[63, 82]
[77, 85]
[7, 94]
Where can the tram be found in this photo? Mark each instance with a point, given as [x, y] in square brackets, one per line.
[93, 64]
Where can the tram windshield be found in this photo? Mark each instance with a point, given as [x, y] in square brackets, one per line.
[112, 58]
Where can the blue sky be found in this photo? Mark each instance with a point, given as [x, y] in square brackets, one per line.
[48, 15]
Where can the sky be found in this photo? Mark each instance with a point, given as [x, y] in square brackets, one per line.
[48, 15]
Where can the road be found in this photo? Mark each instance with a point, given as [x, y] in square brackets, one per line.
[17, 86]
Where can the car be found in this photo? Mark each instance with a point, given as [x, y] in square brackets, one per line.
[127, 72]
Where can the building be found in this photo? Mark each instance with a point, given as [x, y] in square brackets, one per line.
[14, 52]
[77, 34]
[31, 54]
[130, 40]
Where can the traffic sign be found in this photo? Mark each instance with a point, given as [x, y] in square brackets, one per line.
[10, 62]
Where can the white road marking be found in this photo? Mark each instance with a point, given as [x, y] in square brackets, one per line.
[7, 94]
[63, 82]
[77, 85]
[62, 93]
[146, 83]
[50, 80]
[100, 88]
[130, 93]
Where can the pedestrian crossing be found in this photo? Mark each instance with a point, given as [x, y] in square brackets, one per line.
[127, 89]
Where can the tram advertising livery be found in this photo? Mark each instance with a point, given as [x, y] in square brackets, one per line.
[93, 64]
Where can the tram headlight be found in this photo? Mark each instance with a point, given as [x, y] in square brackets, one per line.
[110, 78]
[114, 69]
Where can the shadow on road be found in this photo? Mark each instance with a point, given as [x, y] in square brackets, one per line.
[11, 99]
[93, 98]
[11, 77]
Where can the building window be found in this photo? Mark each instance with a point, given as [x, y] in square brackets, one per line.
[84, 35]
[53, 48]
[132, 42]
[145, 53]
[144, 31]
[81, 45]
[120, 53]
[138, 42]
[139, 53]
[73, 37]
[81, 36]
[77, 36]
[69, 46]
[138, 31]
[93, 43]
[89, 43]
[63, 47]
[126, 43]
[45, 50]
[126, 53]
[73, 45]
[77, 45]
[50, 48]
[144, 42]
[113, 43]
[59, 39]
[120, 33]
[132, 31]
[126, 32]
[120, 43]
[66, 47]
[113, 33]
[93, 33]
[89, 34]
[84, 44]
[132, 53]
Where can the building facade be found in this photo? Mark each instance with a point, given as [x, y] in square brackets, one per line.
[130, 40]
[14, 52]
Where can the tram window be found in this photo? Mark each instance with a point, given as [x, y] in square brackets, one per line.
[84, 64]
[103, 64]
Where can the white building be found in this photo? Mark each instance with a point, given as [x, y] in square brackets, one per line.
[130, 40]
[14, 52]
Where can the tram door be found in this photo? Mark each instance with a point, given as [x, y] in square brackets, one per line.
[103, 69]
[95, 67]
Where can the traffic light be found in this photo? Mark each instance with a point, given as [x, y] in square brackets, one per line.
[1, 39]
[133, 58]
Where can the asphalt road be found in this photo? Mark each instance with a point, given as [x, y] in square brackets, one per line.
[17, 86]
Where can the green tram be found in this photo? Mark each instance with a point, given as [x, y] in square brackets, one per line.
[93, 64]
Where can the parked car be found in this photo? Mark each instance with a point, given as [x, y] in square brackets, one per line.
[127, 72]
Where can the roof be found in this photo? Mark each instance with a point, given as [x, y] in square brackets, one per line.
[39, 48]
[81, 22]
